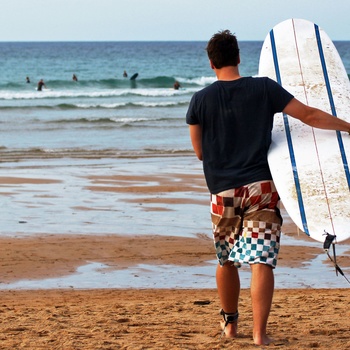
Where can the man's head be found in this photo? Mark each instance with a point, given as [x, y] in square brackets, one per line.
[223, 49]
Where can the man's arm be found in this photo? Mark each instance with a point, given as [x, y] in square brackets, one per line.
[196, 139]
[315, 117]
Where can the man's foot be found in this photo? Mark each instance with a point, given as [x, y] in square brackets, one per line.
[230, 330]
[262, 340]
[229, 324]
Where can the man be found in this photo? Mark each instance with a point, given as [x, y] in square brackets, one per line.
[41, 84]
[230, 125]
[177, 85]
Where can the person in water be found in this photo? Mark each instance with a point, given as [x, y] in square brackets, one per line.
[27, 80]
[177, 85]
[125, 74]
[75, 78]
[41, 84]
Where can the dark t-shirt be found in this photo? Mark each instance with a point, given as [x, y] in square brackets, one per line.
[236, 119]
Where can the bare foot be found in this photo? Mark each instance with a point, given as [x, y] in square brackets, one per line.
[262, 340]
[230, 330]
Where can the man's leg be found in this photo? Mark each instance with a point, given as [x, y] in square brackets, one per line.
[228, 284]
[262, 287]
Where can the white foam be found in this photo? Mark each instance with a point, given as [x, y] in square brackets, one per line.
[202, 81]
[31, 95]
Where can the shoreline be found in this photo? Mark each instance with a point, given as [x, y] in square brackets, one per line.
[59, 220]
[144, 261]
[111, 225]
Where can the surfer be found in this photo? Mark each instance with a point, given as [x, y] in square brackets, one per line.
[230, 124]
[27, 80]
[75, 78]
[125, 74]
[177, 85]
[41, 84]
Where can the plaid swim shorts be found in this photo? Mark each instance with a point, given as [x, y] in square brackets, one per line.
[247, 224]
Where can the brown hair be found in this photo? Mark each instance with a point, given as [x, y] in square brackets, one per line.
[223, 49]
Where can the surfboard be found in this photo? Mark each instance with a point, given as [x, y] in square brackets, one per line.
[310, 166]
[134, 76]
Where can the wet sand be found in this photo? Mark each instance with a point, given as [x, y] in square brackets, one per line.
[59, 255]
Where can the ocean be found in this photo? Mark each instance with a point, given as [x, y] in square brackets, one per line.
[102, 124]
[103, 112]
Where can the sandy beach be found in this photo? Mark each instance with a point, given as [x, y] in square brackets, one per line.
[166, 319]
[105, 238]
[143, 318]
[150, 318]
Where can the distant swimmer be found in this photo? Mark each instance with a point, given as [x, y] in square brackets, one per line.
[75, 78]
[27, 80]
[177, 85]
[125, 74]
[41, 84]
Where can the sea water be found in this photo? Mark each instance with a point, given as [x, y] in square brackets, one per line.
[103, 123]
[103, 111]
[75, 128]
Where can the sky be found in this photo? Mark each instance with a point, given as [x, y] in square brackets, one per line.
[166, 20]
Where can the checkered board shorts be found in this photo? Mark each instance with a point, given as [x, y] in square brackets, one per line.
[247, 224]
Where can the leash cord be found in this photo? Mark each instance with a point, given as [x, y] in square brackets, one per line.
[328, 241]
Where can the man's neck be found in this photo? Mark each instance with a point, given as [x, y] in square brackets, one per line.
[227, 73]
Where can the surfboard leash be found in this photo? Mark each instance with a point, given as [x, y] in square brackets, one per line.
[331, 239]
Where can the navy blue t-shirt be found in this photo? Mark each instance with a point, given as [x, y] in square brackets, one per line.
[236, 119]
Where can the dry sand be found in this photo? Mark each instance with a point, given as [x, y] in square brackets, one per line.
[166, 319]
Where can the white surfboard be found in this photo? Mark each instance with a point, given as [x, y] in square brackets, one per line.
[310, 166]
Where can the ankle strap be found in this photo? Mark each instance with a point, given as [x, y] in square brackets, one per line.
[229, 317]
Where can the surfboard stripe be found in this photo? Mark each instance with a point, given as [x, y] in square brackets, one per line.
[289, 140]
[331, 102]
